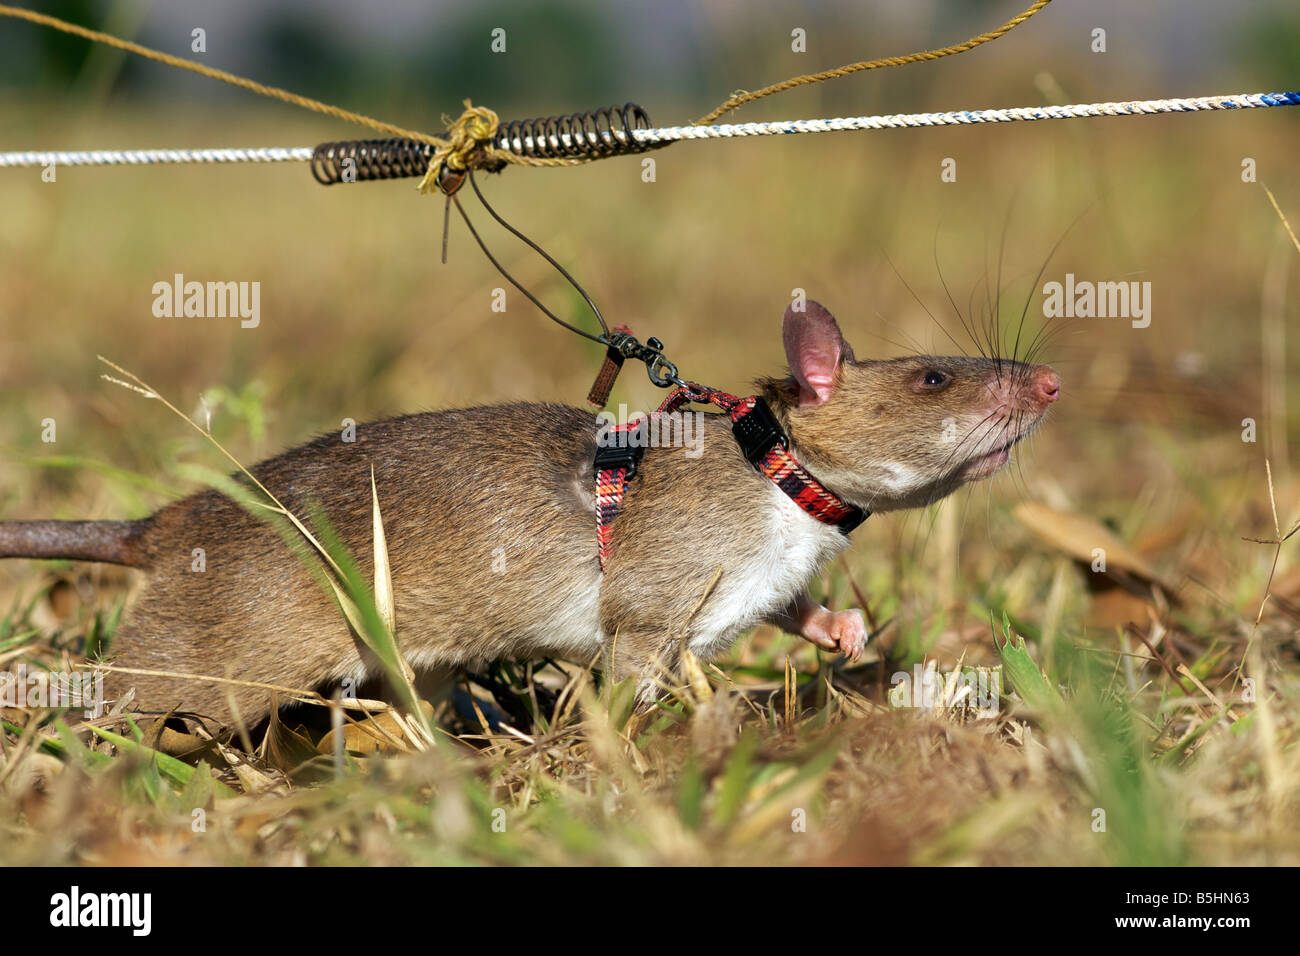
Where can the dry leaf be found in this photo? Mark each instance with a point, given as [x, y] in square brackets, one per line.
[1080, 537]
[372, 735]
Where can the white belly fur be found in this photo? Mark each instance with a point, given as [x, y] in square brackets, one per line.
[793, 549]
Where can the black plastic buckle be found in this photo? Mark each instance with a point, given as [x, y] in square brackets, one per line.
[852, 520]
[758, 432]
[624, 455]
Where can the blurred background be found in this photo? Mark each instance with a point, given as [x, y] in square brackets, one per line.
[359, 319]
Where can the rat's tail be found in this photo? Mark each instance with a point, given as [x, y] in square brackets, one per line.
[114, 542]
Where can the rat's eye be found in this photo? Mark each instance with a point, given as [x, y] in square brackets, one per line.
[933, 378]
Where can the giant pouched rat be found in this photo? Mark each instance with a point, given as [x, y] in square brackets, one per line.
[489, 520]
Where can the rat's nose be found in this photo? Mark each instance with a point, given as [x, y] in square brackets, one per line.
[1044, 385]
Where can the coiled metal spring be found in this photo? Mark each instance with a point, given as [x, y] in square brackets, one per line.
[595, 134]
[370, 159]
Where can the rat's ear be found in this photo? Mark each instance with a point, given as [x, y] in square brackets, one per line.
[814, 348]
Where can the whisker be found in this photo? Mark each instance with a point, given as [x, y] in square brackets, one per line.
[1033, 287]
[923, 306]
[969, 329]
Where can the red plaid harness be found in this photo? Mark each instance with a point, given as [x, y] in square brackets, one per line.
[760, 437]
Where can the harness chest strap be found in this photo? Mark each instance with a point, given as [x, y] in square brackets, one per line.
[761, 439]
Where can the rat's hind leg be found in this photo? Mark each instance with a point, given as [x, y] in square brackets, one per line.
[650, 654]
[137, 648]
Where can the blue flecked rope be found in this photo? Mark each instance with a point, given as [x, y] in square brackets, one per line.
[968, 117]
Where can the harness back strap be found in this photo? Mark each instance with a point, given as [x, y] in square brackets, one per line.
[761, 439]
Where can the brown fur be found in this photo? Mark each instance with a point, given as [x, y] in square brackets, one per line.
[454, 487]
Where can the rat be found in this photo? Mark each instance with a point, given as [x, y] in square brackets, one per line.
[489, 520]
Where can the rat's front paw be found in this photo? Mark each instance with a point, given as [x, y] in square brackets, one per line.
[843, 631]
[849, 630]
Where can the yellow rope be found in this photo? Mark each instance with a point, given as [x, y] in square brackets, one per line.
[271, 91]
[470, 134]
[742, 98]
[469, 142]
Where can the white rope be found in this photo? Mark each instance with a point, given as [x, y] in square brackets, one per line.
[672, 134]
[148, 157]
[967, 117]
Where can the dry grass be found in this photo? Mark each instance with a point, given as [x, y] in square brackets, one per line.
[1142, 717]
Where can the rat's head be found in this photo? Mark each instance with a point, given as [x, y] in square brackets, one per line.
[900, 433]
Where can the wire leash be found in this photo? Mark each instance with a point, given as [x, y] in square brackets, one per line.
[620, 343]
